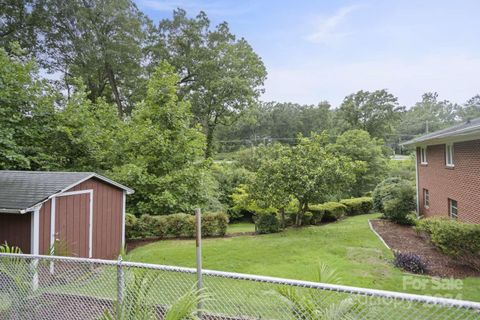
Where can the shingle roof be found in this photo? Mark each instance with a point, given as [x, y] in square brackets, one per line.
[457, 130]
[20, 190]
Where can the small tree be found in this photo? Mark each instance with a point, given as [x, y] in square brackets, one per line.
[370, 161]
[307, 172]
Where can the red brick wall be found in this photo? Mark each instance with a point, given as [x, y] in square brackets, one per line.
[460, 183]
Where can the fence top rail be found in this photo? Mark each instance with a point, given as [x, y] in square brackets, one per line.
[265, 279]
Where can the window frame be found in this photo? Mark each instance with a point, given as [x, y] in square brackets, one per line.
[423, 155]
[449, 154]
[451, 208]
[426, 198]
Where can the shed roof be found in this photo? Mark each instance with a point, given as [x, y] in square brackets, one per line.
[463, 129]
[21, 190]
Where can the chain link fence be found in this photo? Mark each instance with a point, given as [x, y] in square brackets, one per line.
[47, 287]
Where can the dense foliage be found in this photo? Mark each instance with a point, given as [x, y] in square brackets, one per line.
[355, 206]
[395, 198]
[460, 240]
[175, 225]
[98, 86]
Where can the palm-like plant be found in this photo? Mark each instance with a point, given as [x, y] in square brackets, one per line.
[18, 272]
[138, 304]
[305, 306]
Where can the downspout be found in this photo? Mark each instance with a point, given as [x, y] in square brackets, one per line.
[416, 182]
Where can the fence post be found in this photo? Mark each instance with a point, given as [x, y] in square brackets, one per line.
[120, 286]
[198, 229]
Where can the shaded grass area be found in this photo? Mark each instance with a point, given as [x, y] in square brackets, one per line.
[240, 227]
[347, 246]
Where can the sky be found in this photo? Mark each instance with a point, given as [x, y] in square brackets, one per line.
[327, 49]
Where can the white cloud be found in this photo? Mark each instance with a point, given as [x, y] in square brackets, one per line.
[454, 77]
[326, 29]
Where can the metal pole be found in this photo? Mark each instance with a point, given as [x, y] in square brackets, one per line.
[198, 229]
[120, 286]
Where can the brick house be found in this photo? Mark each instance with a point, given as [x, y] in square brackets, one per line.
[448, 172]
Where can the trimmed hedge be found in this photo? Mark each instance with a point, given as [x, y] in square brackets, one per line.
[457, 239]
[175, 225]
[331, 210]
[395, 198]
[266, 223]
[356, 206]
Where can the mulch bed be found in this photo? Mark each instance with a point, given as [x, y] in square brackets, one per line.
[405, 239]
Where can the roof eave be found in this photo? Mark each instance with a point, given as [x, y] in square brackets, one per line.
[14, 211]
[461, 135]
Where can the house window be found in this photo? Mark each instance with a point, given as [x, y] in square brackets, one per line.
[449, 154]
[453, 208]
[423, 155]
[426, 198]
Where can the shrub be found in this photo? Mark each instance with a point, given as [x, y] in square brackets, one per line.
[357, 206]
[175, 225]
[147, 226]
[317, 214]
[331, 210]
[409, 262]
[457, 239]
[214, 224]
[180, 225]
[266, 223]
[131, 223]
[395, 198]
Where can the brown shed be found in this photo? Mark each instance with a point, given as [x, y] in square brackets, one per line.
[83, 212]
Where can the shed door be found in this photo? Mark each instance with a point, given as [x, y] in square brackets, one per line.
[72, 225]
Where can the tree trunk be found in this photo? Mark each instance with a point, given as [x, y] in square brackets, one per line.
[113, 84]
[298, 219]
[282, 217]
[209, 149]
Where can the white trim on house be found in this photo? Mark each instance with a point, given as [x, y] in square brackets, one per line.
[35, 232]
[64, 190]
[416, 182]
[423, 155]
[90, 220]
[449, 155]
[124, 202]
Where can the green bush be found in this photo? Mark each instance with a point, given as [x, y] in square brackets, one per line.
[395, 198]
[457, 239]
[331, 210]
[317, 214]
[131, 223]
[357, 206]
[266, 223]
[148, 226]
[214, 224]
[175, 225]
[180, 225]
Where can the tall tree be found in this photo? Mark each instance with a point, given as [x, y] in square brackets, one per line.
[470, 110]
[162, 151]
[27, 114]
[99, 41]
[375, 112]
[428, 115]
[367, 154]
[20, 21]
[220, 74]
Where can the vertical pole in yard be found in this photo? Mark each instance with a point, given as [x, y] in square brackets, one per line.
[198, 231]
[120, 286]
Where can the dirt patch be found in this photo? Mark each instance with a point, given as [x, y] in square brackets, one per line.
[406, 239]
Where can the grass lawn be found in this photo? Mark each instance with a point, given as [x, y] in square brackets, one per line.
[348, 246]
[240, 227]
